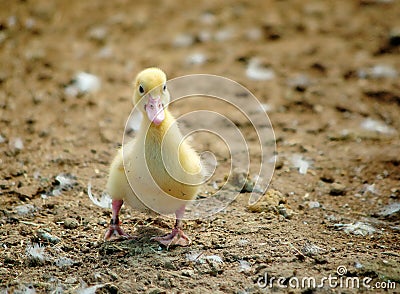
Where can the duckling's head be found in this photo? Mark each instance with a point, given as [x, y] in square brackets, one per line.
[151, 94]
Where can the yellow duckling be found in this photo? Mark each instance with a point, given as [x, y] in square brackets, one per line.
[156, 171]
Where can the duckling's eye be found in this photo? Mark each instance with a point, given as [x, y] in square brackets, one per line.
[164, 88]
[141, 90]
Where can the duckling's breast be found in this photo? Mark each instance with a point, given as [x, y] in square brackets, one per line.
[160, 172]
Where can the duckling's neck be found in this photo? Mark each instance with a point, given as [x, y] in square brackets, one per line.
[157, 132]
[162, 128]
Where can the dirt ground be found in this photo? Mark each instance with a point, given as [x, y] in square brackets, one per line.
[333, 100]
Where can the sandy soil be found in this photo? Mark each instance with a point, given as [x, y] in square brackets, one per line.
[333, 100]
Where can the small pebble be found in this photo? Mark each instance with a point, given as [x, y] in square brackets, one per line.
[248, 186]
[113, 275]
[196, 59]
[239, 178]
[358, 265]
[286, 213]
[105, 52]
[391, 211]
[64, 262]
[244, 266]
[25, 209]
[223, 35]
[71, 223]
[314, 204]
[214, 258]
[272, 202]
[208, 18]
[169, 265]
[300, 82]
[16, 144]
[47, 237]
[254, 34]
[183, 40]
[70, 280]
[330, 218]
[102, 222]
[204, 36]
[395, 193]
[83, 83]
[358, 228]
[299, 162]
[327, 178]
[394, 37]
[243, 242]
[376, 126]
[187, 273]
[12, 21]
[25, 289]
[310, 249]
[256, 71]
[369, 189]
[379, 71]
[30, 23]
[337, 189]
[98, 33]
[65, 182]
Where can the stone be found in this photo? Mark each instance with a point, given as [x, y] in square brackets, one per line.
[337, 189]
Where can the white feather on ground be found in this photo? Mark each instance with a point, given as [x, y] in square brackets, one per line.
[103, 202]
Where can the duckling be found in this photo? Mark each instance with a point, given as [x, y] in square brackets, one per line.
[157, 170]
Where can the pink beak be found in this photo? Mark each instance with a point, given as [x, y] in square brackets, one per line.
[155, 110]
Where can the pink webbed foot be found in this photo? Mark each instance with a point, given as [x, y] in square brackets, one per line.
[176, 237]
[115, 232]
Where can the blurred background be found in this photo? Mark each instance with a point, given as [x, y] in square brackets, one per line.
[326, 73]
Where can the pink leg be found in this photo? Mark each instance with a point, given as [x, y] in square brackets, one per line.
[177, 236]
[115, 231]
